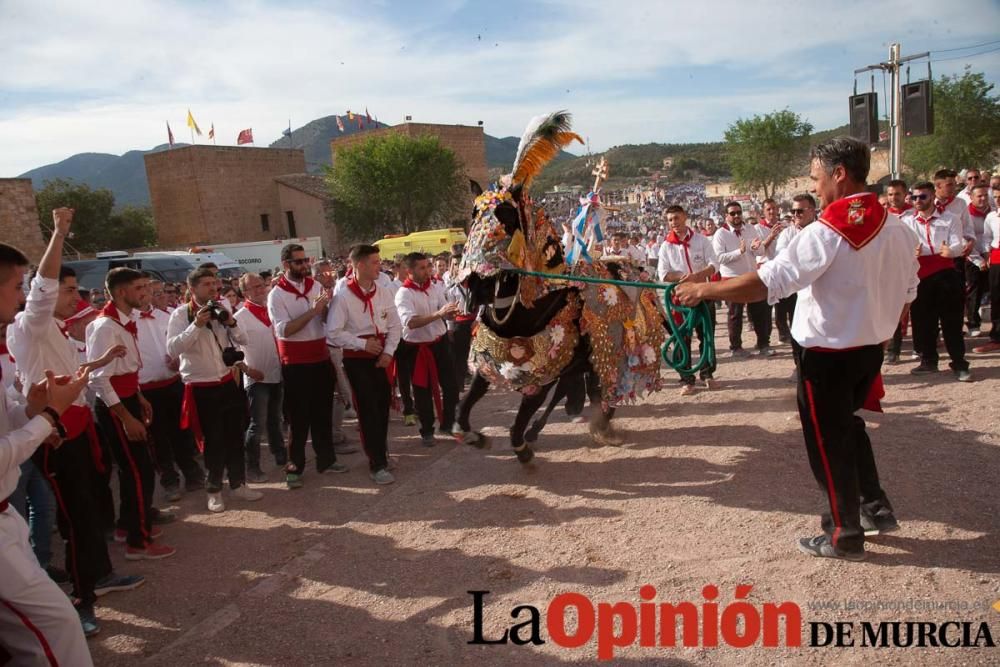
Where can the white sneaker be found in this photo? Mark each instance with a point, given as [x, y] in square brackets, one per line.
[688, 390]
[711, 383]
[246, 493]
[215, 503]
[975, 333]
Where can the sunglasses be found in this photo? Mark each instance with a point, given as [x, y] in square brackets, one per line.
[798, 211]
[972, 178]
[735, 214]
[919, 197]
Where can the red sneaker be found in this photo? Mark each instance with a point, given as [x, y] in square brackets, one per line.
[151, 552]
[991, 346]
[122, 535]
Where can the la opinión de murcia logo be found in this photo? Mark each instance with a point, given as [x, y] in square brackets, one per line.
[572, 620]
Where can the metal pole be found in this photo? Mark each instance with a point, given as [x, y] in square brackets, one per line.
[895, 129]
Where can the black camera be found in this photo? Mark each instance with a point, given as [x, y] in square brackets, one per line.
[219, 314]
[231, 356]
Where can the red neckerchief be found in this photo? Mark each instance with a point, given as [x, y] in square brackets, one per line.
[764, 222]
[857, 218]
[943, 204]
[285, 284]
[685, 242]
[352, 284]
[900, 211]
[977, 213]
[737, 231]
[112, 312]
[409, 284]
[147, 315]
[258, 311]
[919, 217]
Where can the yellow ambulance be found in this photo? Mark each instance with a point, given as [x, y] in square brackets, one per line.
[431, 242]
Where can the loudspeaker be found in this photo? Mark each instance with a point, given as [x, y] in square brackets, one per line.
[918, 111]
[864, 117]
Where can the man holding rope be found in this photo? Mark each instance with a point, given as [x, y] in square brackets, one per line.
[856, 273]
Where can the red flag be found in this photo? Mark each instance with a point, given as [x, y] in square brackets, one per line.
[246, 137]
[340, 124]
[211, 132]
[170, 135]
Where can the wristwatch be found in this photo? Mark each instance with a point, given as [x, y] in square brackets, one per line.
[56, 422]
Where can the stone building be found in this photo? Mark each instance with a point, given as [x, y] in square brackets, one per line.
[307, 203]
[19, 217]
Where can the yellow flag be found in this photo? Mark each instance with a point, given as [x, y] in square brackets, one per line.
[193, 125]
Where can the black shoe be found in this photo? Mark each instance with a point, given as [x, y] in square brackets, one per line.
[281, 459]
[57, 575]
[162, 517]
[924, 369]
[88, 620]
[879, 523]
[892, 358]
[820, 546]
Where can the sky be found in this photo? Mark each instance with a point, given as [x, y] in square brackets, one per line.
[106, 76]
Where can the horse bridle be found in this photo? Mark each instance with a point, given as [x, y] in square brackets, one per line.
[513, 303]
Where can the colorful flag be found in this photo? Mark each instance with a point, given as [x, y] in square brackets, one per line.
[340, 124]
[193, 125]
[246, 137]
[211, 132]
[170, 135]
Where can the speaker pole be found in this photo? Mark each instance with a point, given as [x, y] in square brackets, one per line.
[896, 110]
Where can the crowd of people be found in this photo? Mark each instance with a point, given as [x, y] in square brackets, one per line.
[181, 384]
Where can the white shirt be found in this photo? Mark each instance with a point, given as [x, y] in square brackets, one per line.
[200, 348]
[36, 341]
[261, 350]
[636, 254]
[726, 244]
[944, 228]
[991, 232]
[960, 209]
[349, 320]
[847, 297]
[283, 307]
[674, 257]
[979, 229]
[382, 281]
[153, 347]
[786, 236]
[764, 231]
[653, 252]
[103, 334]
[19, 438]
[412, 303]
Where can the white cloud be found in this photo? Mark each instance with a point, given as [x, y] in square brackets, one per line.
[118, 70]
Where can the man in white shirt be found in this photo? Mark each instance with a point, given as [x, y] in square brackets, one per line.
[736, 248]
[687, 256]
[160, 383]
[855, 272]
[423, 311]
[803, 213]
[204, 336]
[324, 274]
[972, 179]
[976, 269]
[297, 307]
[263, 384]
[123, 411]
[940, 297]
[38, 625]
[946, 202]
[991, 245]
[363, 322]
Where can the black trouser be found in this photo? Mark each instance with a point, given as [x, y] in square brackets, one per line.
[896, 345]
[976, 285]
[461, 343]
[423, 396]
[404, 370]
[171, 444]
[222, 414]
[372, 395]
[708, 371]
[101, 488]
[939, 299]
[832, 387]
[308, 403]
[760, 317]
[71, 471]
[784, 313]
[994, 284]
[135, 473]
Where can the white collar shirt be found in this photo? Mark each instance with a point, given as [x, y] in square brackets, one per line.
[200, 348]
[697, 255]
[726, 244]
[411, 303]
[351, 321]
[152, 340]
[261, 350]
[103, 334]
[283, 307]
[934, 229]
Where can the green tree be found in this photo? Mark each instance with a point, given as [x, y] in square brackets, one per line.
[765, 151]
[393, 184]
[96, 226]
[966, 126]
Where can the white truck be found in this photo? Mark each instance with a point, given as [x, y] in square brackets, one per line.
[264, 255]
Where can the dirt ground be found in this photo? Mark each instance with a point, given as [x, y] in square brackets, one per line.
[708, 489]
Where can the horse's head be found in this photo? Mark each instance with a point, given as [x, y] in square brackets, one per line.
[486, 260]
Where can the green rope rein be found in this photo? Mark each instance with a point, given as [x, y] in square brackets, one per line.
[676, 351]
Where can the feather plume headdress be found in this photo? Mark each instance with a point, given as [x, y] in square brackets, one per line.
[542, 140]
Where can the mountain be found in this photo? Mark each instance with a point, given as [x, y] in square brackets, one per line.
[314, 139]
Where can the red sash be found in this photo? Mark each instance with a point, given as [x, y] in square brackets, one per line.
[285, 284]
[465, 318]
[425, 374]
[125, 385]
[77, 419]
[994, 256]
[159, 384]
[302, 351]
[857, 218]
[931, 264]
[189, 408]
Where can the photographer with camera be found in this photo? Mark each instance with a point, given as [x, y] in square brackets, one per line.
[203, 335]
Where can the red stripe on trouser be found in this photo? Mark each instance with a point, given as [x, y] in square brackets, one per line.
[35, 631]
[826, 463]
[65, 513]
[140, 497]
[361, 427]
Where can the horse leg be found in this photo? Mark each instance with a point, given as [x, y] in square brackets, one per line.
[529, 406]
[600, 422]
[531, 435]
[477, 389]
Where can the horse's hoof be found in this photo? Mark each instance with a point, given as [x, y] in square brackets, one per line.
[475, 439]
[524, 454]
[607, 437]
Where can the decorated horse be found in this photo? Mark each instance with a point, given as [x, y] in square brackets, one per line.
[549, 314]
